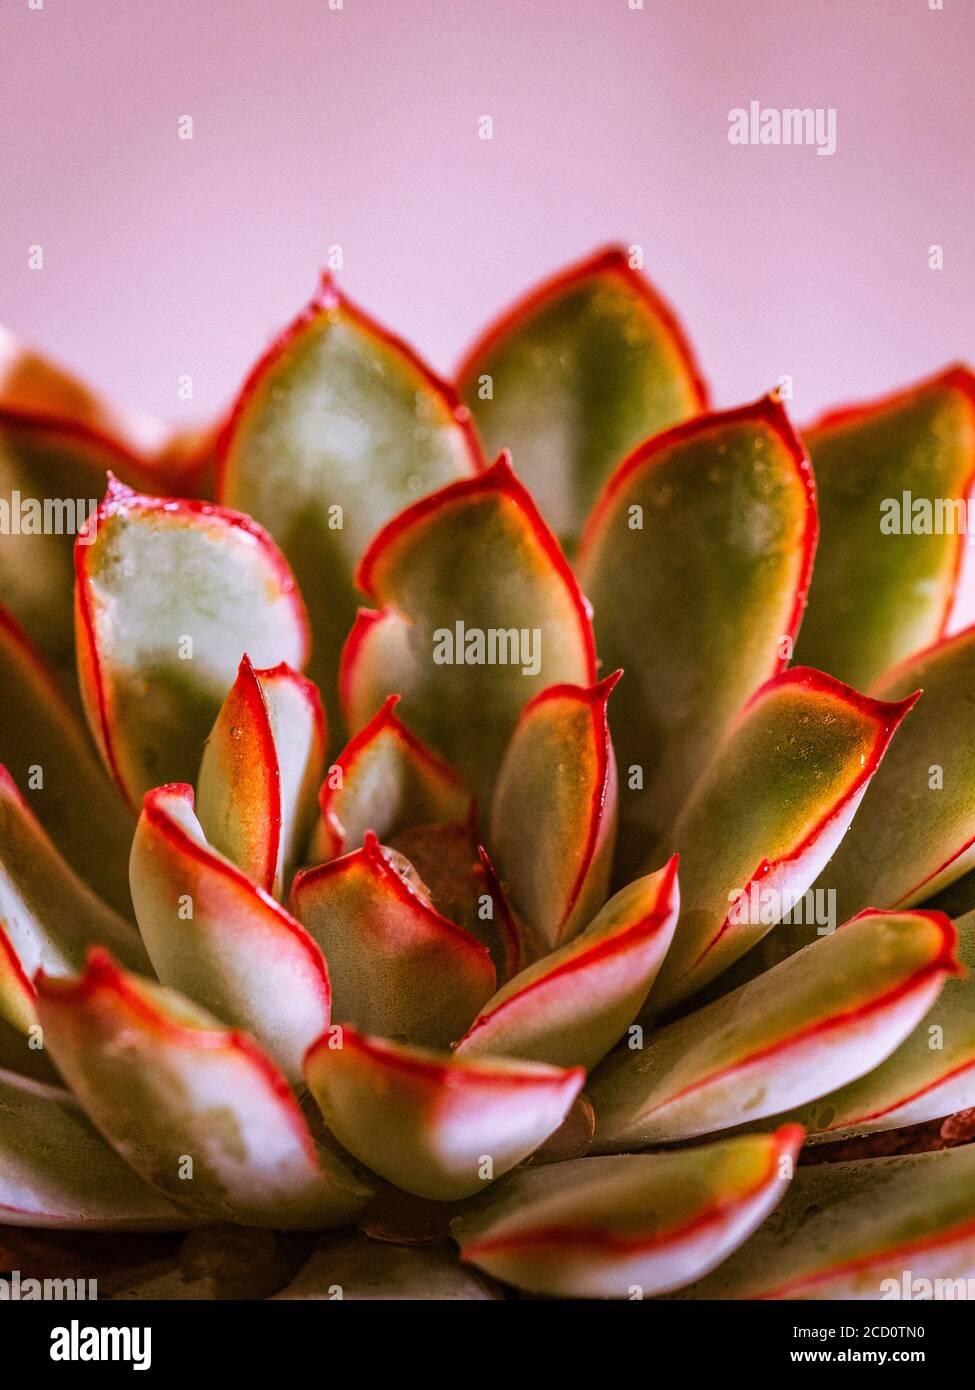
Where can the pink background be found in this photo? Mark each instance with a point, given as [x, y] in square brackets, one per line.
[359, 127]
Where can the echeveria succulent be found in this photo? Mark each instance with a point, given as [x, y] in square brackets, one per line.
[555, 926]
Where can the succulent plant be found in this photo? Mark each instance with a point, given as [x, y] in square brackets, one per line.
[498, 952]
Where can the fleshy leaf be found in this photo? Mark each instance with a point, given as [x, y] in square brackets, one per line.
[861, 1230]
[608, 1227]
[196, 1109]
[827, 1014]
[55, 1170]
[261, 767]
[338, 427]
[931, 1074]
[46, 749]
[372, 1269]
[487, 614]
[397, 966]
[767, 815]
[889, 476]
[915, 832]
[169, 595]
[569, 1008]
[463, 886]
[553, 817]
[435, 1124]
[574, 375]
[219, 938]
[52, 473]
[48, 917]
[387, 781]
[696, 559]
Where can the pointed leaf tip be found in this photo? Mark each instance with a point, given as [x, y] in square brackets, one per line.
[715, 519]
[806, 746]
[163, 1080]
[600, 321]
[169, 593]
[337, 427]
[437, 1125]
[398, 967]
[448, 638]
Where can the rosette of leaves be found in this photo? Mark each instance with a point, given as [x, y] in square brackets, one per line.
[402, 850]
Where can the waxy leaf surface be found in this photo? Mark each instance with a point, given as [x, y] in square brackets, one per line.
[52, 473]
[338, 427]
[48, 917]
[45, 747]
[863, 1230]
[387, 781]
[222, 940]
[435, 1124]
[696, 560]
[602, 1227]
[824, 1016]
[574, 375]
[570, 1007]
[56, 1170]
[260, 772]
[553, 816]
[169, 596]
[914, 835]
[196, 1109]
[397, 966]
[767, 815]
[931, 1074]
[480, 613]
[890, 572]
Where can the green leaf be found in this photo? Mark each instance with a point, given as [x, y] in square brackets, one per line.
[824, 1016]
[169, 596]
[386, 780]
[766, 816]
[338, 427]
[633, 1225]
[52, 473]
[222, 940]
[914, 835]
[197, 1110]
[48, 917]
[861, 1230]
[574, 375]
[437, 1125]
[553, 815]
[889, 475]
[931, 1074]
[464, 887]
[696, 560]
[261, 768]
[46, 749]
[55, 1170]
[397, 966]
[480, 613]
[570, 1007]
